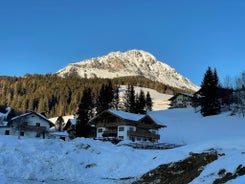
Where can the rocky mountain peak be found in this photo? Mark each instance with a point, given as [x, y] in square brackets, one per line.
[129, 63]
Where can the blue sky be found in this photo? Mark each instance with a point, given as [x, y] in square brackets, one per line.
[42, 36]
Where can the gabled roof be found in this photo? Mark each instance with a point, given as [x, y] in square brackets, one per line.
[184, 94]
[31, 113]
[120, 114]
[126, 115]
[152, 120]
[136, 118]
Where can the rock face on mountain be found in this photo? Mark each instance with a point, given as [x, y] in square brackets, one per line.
[130, 63]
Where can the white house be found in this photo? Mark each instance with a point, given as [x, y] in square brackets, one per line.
[182, 100]
[31, 124]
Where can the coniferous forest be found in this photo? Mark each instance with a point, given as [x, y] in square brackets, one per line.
[57, 96]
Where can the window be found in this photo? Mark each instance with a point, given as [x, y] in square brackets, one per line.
[138, 139]
[100, 130]
[63, 138]
[7, 132]
[38, 124]
[132, 139]
[121, 137]
[121, 129]
[131, 129]
[22, 133]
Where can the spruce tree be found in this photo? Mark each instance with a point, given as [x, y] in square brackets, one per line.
[116, 98]
[148, 102]
[105, 97]
[209, 90]
[59, 123]
[129, 99]
[83, 114]
[140, 102]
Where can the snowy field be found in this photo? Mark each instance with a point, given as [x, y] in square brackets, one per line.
[86, 161]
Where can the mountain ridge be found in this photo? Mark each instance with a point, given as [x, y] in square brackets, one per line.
[130, 63]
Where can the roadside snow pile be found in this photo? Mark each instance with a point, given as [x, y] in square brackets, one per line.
[35, 161]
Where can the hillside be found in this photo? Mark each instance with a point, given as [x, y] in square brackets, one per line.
[129, 63]
[57, 96]
[89, 161]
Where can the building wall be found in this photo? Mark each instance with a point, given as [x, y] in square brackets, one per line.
[4, 129]
[30, 120]
[122, 132]
[33, 119]
[182, 101]
[99, 132]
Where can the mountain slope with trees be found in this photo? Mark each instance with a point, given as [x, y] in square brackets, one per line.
[58, 96]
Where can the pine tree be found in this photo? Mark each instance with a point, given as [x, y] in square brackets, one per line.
[105, 97]
[140, 102]
[148, 102]
[210, 104]
[59, 123]
[116, 98]
[129, 99]
[83, 114]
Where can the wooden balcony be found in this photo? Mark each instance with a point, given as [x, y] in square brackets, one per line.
[110, 133]
[144, 134]
[34, 128]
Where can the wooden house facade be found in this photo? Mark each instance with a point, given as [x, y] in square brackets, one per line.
[182, 100]
[112, 124]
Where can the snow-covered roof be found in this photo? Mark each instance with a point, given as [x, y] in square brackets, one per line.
[3, 117]
[65, 118]
[126, 115]
[182, 93]
[137, 118]
[73, 121]
[37, 114]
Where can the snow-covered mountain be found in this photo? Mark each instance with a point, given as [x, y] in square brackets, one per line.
[130, 63]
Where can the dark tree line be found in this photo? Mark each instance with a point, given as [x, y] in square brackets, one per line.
[215, 97]
[210, 104]
[57, 96]
[136, 103]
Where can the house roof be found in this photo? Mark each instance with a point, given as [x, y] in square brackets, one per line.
[127, 115]
[3, 117]
[119, 114]
[185, 94]
[73, 121]
[137, 118]
[156, 122]
[30, 113]
[65, 118]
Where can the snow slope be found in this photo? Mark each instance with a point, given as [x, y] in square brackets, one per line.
[160, 100]
[129, 63]
[88, 161]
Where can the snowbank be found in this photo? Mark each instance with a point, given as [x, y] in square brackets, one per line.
[90, 161]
